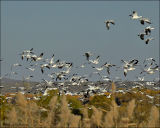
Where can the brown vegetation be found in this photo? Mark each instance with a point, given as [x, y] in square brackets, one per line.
[68, 112]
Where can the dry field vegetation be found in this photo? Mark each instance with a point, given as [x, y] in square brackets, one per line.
[56, 111]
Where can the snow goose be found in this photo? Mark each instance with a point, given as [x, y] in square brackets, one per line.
[43, 66]
[134, 15]
[148, 39]
[148, 29]
[141, 35]
[108, 65]
[37, 58]
[87, 55]
[129, 66]
[31, 69]
[96, 61]
[143, 20]
[107, 22]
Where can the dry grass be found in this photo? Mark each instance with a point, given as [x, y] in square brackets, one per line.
[58, 113]
[12, 117]
[111, 117]
[86, 122]
[130, 108]
[96, 118]
[154, 118]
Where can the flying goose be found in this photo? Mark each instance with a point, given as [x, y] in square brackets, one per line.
[42, 67]
[143, 20]
[61, 64]
[35, 58]
[148, 30]
[68, 65]
[59, 76]
[27, 54]
[51, 76]
[14, 65]
[105, 78]
[14, 73]
[28, 78]
[149, 39]
[129, 66]
[108, 65]
[141, 78]
[81, 66]
[134, 15]
[151, 60]
[150, 69]
[28, 51]
[31, 69]
[50, 83]
[96, 61]
[99, 69]
[141, 35]
[51, 60]
[87, 55]
[107, 22]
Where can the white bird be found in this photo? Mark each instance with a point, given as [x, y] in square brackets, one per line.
[51, 60]
[50, 83]
[134, 15]
[61, 64]
[37, 58]
[109, 96]
[143, 20]
[148, 29]
[60, 75]
[149, 61]
[99, 69]
[141, 35]
[28, 78]
[82, 66]
[96, 61]
[68, 65]
[43, 66]
[14, 65]
[129, 66]
[32, 69]
[107, 22]
[74, 78]
[105, 78]
[141, 78]
[150, 69]
[28, 51]
[53, 65]
[87, 55]
[148, 39]
[17, 64]
[108, 65]
[28, 56]
[51, 76]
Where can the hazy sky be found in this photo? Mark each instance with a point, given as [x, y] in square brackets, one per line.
[69, 29]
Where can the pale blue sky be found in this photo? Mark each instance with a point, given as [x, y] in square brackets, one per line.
[71, 28]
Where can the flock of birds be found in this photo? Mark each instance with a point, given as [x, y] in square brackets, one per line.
[147, 30]
[61, 71]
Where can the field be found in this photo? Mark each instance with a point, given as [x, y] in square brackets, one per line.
[134, 109]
